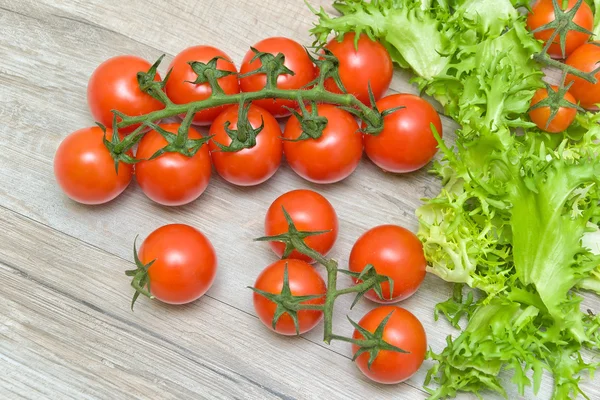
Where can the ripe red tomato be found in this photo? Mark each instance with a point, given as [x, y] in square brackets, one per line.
[330, 158]
[296, 59]
[563, 118]
[395, 252]
[406, 142]
[185, 263]
[585, 59]
[303, 281]
[85, 170]
[253, 165]
[114, 86]
[369, 63]
[310, 212]
[402, 330]
[171, 179]
[542, 13]
[180, 89]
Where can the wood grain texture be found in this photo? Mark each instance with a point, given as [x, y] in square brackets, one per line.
[67, 331]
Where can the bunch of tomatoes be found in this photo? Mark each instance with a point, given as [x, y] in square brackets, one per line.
[572, 25]
[85, 169]
[180, 264]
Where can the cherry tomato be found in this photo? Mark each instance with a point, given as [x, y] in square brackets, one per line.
[585, 59]
[114, 86]
[406, 142]
[296, 59]
[402, 330]
[370, 63]
[303, 281]
[310, 212]
[542, 13]
[171, 179]
[563, 118]
[395, 252]
[253, 165]
[85, 170]
[185, 263]
[330, 158]
[180, 89]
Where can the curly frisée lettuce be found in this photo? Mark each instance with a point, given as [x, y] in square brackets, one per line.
[517, 217]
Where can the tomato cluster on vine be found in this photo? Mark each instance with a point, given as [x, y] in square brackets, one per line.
[321, 141]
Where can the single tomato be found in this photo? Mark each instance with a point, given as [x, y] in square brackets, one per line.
[171, 179]
[402, 330]
[541, 116]
[249, 166]
[586, 59]
[185, 263]
[114, 86]
[303, 281]
[330, 158]
[181, 89]
[310, 212]
[395, 252]
[406, 143]
[85, 170]
[367, 64]
[542, 13]
[296, 59]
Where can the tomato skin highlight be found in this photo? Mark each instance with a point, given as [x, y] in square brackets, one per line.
[181, 91]
[585, 59]
[252, 166]
[406, 143]
[296, 59]
[185, 263]
[85, 170]
[402, 330]
[114, 86]
[330, 158]
[395, 252]
[369, 64]
[172, 179]
[542, 12]
[303, 281]
[310, 211]
[563, 118]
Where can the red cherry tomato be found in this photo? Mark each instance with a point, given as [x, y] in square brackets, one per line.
[310, 212]
[406, 143]
[85, 170]
[303, 281]
[330, 158]
[114, 86]
[296, 59]
[185, 263]
[563, 118]
[542, 13]
[180, 89]
[402, 330]
[395, 252]
[370, 63]
[586, 59]
[171, 179]
[248, 166]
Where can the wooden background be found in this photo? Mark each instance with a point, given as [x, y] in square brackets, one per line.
[66, 330]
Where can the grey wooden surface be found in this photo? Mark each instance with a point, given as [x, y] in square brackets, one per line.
[66, 330]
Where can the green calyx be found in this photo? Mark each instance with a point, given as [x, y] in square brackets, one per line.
[209, 73]
[374, 121]
[244, 136]
[328, 65]
[118, 148]
[311, 123]
[373, 343]
[141, 279]
[373, 280]
[178, 143]
[555, 100]
[271, 65]
[286, 302]
[148, 83]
